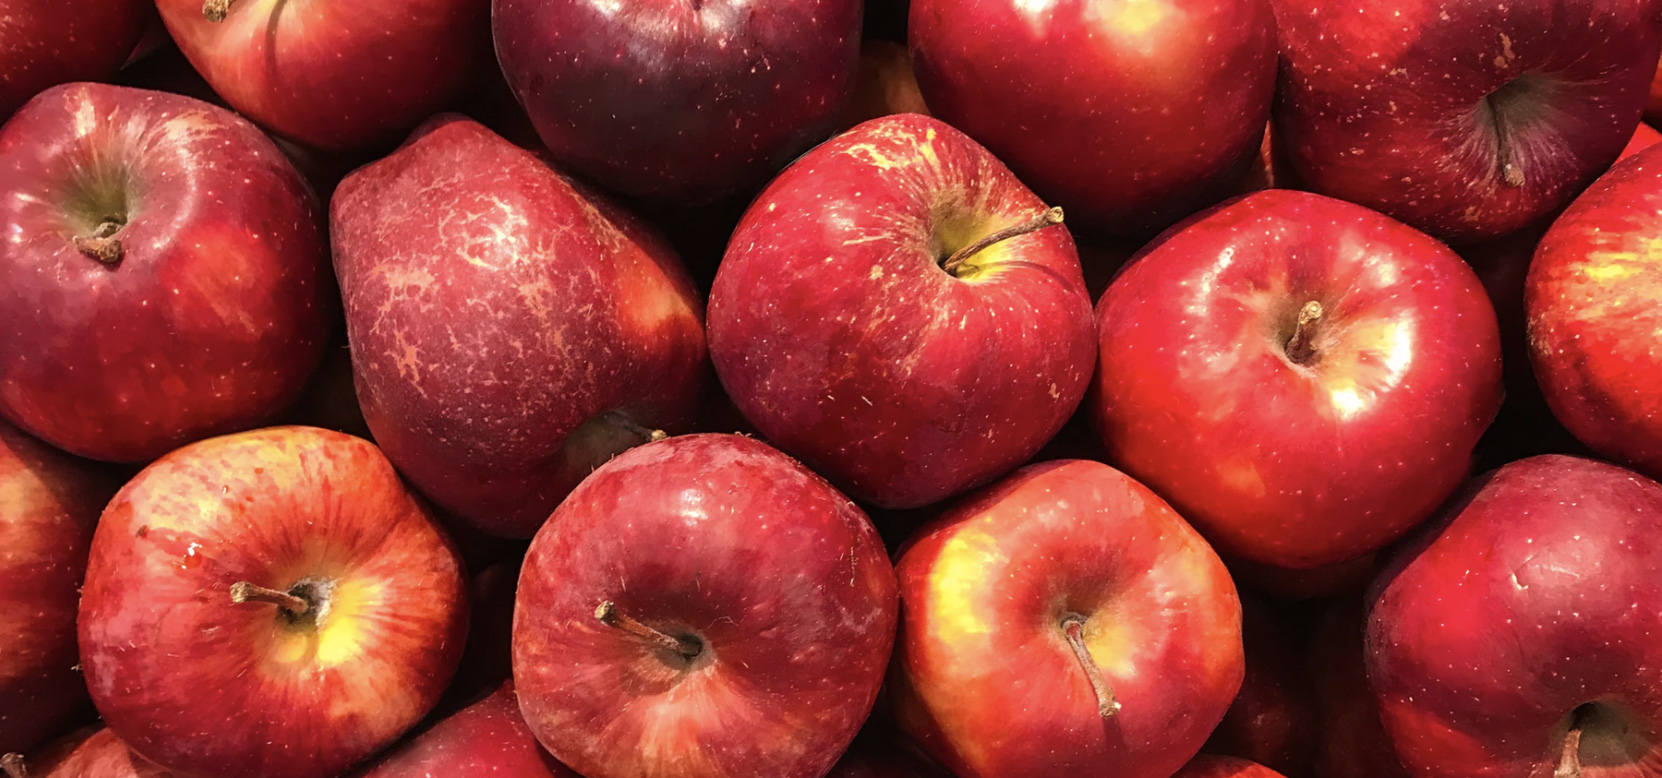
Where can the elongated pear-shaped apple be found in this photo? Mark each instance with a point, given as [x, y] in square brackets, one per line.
[272, 604]
[510, 330]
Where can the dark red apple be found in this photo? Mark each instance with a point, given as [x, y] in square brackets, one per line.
[271, 604]
[1464, 119]
[44, 43]
[884, 84]
[487, 738]
[1644, 137]
[1594, 301]
[1208, 766]
[332, 74]
[1061, 622]
[1302, 378]
[1352, 742]
[1129, 114]
[488, 659]
[510, 330]
[94, 752]
[1273, 719]
[875, 756]
[1653, 106]
[1348, 577]
[165, 276]
[900, 312]
[49, 503]
[1517, 638]
[674, 100]
[703, 607]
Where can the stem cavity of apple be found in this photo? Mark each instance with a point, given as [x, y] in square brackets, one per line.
[608, 614]
[244, 591]
[1505, 107]
[12, 766]
[216, 10]
[1074, 628]
[1569, 762]
[102, 244]
[1300, 347]
[1051, 216]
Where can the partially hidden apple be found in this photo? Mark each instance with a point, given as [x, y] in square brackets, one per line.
[487, 738]
[1064, 621]
[874, 756]
[93, 752]
[703, 607]
[510, 330]
[1208, 766]
[898, 311]
[1301, 377]
[165, 275]
[1273, 720]
[884, 84]
[1644, 137]
[271, 604]
[44, 43]
[1352, 742]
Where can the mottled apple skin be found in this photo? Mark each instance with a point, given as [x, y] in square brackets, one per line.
[1386, 103]
[1128, 114]
[49, 503]
[1273, 719]
[94, 752]
[1538, 597]
[488, 739]
[213, 689]
[1297, 465]
[984, 677]
[1208, 766]
[335, 74]
[674, 100]
[48, 42]
[837, 332]
[720, 538]
[1594, 300]
[217, 314]
[494, 307]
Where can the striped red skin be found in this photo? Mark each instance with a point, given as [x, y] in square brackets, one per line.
[1207, 766]
[487, 739]
[207, 687]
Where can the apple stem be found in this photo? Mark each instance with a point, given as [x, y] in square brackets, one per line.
[1569, 763]
[1050, 217]
[12, 766]
[625, 423]
[1299, 347]
[243, 591]
[1511, 171]
[609, 615]
[102, 245]
[1106, 705]
[216, 10]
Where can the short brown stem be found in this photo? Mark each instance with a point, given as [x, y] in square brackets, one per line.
[12, 766]
[1301, 347]
[243, 591]
[1569, 761]
[215, 10]
[609, 615]
[1074, 628]
[1050, 217]
[102, 244]
[623, 422]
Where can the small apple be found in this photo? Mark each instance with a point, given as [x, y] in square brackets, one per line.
[94, 752]
[271, 604]
[487, 738]
[1064, 621]
[44, 43]
[1208, 766]
[1273, 719]
[900, 312]
[702, 607]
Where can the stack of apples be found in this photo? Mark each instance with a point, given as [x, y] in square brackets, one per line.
[805, 388]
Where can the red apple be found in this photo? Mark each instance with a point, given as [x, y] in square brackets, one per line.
[332, 74]
[48, 42]
[1353, 742]
[702, 606]
[1594, 300]
[1518, 637]
[1644, 137]
[675, 100]
[1208, 766]
[272, 604]
[488, 659]
[94, 752]
[874, 756]
[1129, 114]
[510, 330]
[900, 312]
[1467, 120]
[487, 738]
[1061, 622]
[1273, 719]
[49, 503]
[884, 84]
[1653, 106]
[1302, 378]
[165, 276]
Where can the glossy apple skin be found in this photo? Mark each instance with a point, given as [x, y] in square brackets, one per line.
[1273, 719]
[718, 537]
[49, 503]
[1281, 463]
[44, 43]
[1208, 766]
[217, 314]
[487, 738]
[276, 507]
[1538, 593]
[94, 752]
[984, 677]
[1594, 300]
[677, 101]
[332, 74]
[1130, 115]
[1353, 742]
[495, 310]
[1384, 103]
[836, 331]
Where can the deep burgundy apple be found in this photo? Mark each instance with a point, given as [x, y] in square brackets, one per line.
[332, 74]
[487, 738]
[47, 42]
[1273, 719]
[1130, 115]
[49, 503]
[1302, 378]
[679, 101]
[1594, 300]
[1353, 742]
[897, 310]
[1518, 638]
[1062, 621]
[165, 276]
[271, 604]
[1465, 119]
[94, 752]
[884, 84]
[510, 330]
[703, 607]
[1208, 766]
